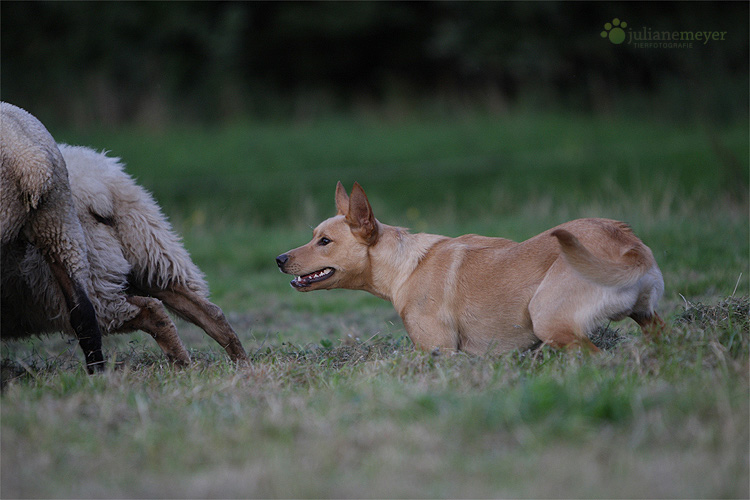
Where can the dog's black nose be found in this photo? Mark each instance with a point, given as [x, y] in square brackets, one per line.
[281, 260]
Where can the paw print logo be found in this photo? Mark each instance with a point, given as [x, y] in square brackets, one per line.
[614, 31]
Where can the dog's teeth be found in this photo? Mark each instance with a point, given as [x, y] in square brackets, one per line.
[317, 275]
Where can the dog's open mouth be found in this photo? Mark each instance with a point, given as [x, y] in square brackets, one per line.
[309, 279]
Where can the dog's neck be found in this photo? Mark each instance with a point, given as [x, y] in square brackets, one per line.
[395, 257]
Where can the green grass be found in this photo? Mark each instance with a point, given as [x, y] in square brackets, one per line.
[336, 403]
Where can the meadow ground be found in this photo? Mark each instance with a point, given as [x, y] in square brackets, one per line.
[336, 402]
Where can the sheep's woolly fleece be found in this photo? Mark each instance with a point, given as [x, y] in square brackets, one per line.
[38, 217]
[33, 169]
[129, 241]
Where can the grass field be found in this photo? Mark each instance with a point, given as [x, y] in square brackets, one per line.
[336, 402]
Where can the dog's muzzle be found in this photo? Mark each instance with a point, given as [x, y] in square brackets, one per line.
[281, 261]
[303, 281]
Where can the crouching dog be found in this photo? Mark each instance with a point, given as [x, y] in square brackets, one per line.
[480, 294]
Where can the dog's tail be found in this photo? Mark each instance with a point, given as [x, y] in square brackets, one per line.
[631, 266]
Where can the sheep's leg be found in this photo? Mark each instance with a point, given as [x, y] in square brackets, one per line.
[196, 309]
[154, 320]
[55, 230]
[82, 316]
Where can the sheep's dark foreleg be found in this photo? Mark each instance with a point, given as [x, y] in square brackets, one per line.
[82, 317]
[154, 320]
[198, 310]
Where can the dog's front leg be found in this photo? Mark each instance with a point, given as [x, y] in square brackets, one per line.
[429, 332]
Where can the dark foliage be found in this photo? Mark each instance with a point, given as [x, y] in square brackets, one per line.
[153, 62]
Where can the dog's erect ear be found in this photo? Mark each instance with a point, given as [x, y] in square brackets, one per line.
[342, 200]
[360, 218]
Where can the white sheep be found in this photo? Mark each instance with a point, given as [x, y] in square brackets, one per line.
[137, 261]
[137, 265]
[38, 216]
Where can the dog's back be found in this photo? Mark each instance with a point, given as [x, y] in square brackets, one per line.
[499, 295]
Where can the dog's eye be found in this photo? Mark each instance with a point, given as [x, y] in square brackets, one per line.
[323, 241]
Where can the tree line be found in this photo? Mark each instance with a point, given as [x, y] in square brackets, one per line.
[157, 62]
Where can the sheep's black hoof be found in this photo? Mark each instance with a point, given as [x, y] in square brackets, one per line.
[96, 367]
[95, 360]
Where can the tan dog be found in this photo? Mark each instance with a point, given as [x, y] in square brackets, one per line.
[481, 294]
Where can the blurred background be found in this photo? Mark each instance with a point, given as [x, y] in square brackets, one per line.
[500, 118]
[155, 64]
[496, 118]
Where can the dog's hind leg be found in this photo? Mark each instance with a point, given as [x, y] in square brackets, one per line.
[564, 308]
[651, 290]
[154, 320]
[651, 324]
[559, 335]
[199, 311]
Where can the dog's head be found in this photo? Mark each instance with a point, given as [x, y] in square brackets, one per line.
[337, 256]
